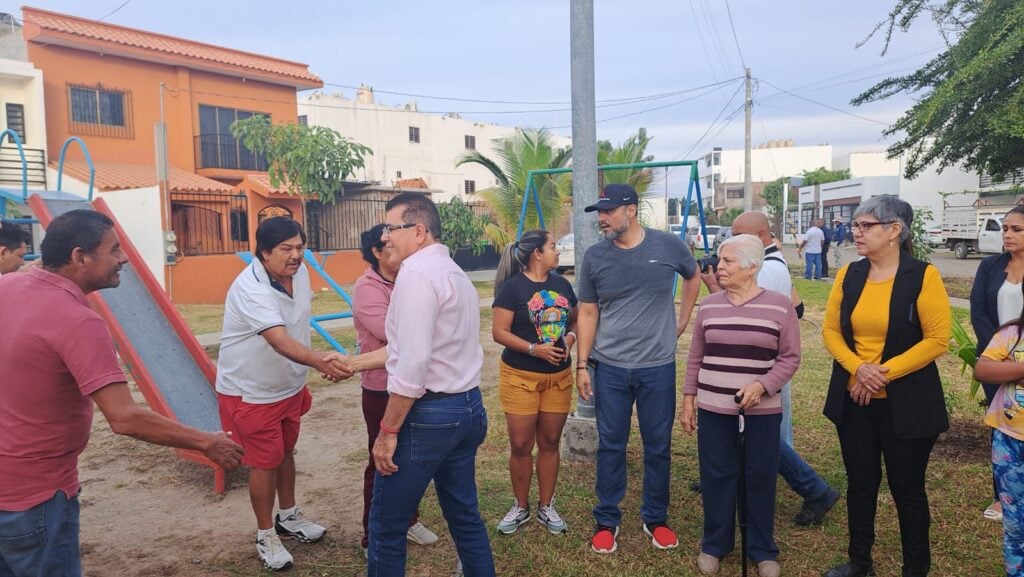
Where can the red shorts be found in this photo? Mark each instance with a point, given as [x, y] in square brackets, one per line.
[266, 432]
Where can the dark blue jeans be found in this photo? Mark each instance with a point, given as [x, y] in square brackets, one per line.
[654, 392]
[43, 541]
[438, 442]
[718, 451]
[812, 265]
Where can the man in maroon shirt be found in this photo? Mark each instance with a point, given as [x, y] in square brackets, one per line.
[57, 359]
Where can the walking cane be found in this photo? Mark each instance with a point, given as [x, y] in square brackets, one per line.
[741, 497]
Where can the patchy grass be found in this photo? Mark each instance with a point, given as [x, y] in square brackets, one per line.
[963, 543]
[958, 286]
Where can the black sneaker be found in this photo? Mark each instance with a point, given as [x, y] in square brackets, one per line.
[813, 512]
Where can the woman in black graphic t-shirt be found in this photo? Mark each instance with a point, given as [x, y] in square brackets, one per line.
[534, 317]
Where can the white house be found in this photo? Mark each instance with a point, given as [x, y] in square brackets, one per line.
[408, 144]
[867, 164]
[723, 170]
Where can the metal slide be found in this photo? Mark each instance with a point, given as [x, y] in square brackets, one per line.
[170, 367]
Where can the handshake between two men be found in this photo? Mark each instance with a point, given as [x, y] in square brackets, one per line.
[336, 367]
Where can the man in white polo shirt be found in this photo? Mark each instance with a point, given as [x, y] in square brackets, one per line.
[261, 380]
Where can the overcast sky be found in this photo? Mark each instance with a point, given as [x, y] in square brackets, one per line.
[518, 53]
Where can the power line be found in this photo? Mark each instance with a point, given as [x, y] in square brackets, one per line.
[609, 102]
[734, 37]
[829, 106]
[114, 11]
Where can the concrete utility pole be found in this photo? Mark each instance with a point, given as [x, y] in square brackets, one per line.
[579, 439]
[748, 187]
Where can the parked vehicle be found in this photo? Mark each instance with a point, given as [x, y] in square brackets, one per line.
[935, 237]
[696, 240]
[566, 247]
[966, 229]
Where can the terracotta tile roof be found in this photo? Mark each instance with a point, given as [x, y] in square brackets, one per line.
[411, 183]
[123, 176]
[260, 183]
[64, 29]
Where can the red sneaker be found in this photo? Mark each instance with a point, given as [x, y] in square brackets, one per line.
[661, 536]
[603, 540]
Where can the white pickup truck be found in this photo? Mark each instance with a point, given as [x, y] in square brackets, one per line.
[967, 229]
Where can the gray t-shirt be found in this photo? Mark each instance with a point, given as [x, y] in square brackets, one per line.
[636, 328]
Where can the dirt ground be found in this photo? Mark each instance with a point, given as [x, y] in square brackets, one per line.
[146, 512]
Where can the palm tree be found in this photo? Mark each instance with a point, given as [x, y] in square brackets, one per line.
[514, 157]
[633, 150]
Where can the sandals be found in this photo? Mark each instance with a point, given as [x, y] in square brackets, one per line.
[993, 514]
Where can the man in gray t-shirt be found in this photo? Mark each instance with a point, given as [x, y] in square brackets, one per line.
[627, 331]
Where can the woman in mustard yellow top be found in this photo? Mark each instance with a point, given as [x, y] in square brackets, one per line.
[886, 322]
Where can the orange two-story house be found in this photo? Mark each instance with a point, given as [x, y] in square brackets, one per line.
[112, 85]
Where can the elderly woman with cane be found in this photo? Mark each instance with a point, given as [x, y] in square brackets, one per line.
[886, 321]
[746, 346]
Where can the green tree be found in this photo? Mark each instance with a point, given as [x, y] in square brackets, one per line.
[969, 106]
[919, 234]
[821, 175]
[729, 215]
[309, 160]
[514, 157]
[632, 151]
[460, 227]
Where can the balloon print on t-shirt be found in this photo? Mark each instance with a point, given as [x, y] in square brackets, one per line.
[549, 312]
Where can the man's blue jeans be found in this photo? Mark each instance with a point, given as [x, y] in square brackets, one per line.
[800, 477]
[42, 541]
[438, 442]
[812, 265]
[615, 390]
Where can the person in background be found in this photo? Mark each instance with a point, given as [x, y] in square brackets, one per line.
[886, 322]
[839, 233]
[826, 243]
[1003, 362]
[13, 245]
[372, 296]
[811, 247]
[718, 372]
[996, 300]
[57, 361]
[534, 317]
[264, 360]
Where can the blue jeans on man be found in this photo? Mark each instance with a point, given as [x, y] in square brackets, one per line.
[438, 442]
[800, 477]
[615, 390]
[42, 540]
[812, 265]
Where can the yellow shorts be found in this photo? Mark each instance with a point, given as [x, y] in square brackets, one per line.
[529, 393]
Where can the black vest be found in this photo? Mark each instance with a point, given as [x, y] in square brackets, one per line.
[916, 400]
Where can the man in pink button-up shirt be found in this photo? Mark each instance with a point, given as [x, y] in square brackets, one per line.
[435, 418]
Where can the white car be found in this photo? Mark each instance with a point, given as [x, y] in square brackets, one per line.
[566, 247]
[696, 241]
[934, 236]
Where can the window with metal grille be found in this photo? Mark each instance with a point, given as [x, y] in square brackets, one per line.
[303, 120]
[414, 134]
[470, 142]
[16, 119]
[734, 193]
[100, 111]
[470, 186]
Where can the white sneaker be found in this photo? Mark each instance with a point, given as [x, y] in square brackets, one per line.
[273, 553]
[515, 517]
[297, 526]
[421, 535]
[550, 518]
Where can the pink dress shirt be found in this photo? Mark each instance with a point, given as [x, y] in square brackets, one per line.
[433, 327]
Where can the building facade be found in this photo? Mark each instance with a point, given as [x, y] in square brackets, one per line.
[722, 170]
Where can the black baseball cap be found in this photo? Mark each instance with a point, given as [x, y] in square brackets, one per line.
[612, 196]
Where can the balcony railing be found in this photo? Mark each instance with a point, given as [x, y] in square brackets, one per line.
[220, 150]
[10, 167]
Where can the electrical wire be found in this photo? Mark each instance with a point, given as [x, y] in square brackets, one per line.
[829, 106]
[734, 37]
[115, 10]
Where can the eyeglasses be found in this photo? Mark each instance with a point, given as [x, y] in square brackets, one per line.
[866, 226]
[390, 228]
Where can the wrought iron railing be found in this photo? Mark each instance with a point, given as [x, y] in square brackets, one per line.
[222, 150]
[210, 223]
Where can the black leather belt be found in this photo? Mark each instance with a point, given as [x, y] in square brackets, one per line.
[434, 395]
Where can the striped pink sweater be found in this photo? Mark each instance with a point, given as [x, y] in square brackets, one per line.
[733, 346]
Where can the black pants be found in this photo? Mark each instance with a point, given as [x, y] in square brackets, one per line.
[865, 436]
[824, 260]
